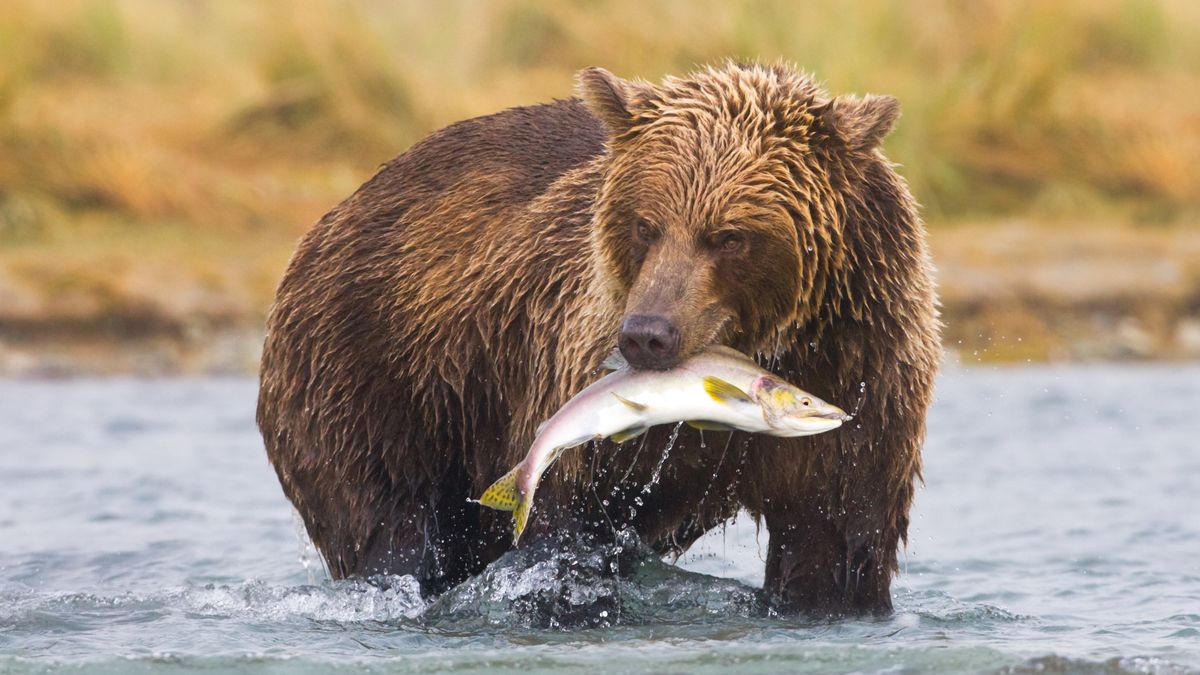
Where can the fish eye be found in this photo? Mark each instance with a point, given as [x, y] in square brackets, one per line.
[806, 401]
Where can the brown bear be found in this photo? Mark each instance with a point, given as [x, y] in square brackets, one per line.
[426, 325]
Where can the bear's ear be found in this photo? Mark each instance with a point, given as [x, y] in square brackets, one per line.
[862, 123]
[615, 101]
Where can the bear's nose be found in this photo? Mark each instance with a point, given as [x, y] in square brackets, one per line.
[649, 342]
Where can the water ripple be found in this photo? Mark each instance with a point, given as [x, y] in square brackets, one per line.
[145, 532]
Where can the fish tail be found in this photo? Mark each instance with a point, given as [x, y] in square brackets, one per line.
[506, 494]
[503, 495]
[521, 517]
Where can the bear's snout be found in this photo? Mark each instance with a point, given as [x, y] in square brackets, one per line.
[649, 341]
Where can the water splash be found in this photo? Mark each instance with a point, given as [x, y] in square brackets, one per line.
[382, 599]
[551, 584]
[862, 396]
[307, 550]
[572, 583]
[655, 475]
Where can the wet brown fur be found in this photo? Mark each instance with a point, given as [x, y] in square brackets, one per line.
[427, 324]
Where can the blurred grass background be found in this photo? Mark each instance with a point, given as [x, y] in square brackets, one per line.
[159, 158]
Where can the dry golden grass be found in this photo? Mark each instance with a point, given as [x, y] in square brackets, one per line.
[161, 157]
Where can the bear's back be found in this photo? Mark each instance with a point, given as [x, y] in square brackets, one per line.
[526, 148]
[386, 302]
[410, 232]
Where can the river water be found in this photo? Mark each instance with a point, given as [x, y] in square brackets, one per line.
[141, 530]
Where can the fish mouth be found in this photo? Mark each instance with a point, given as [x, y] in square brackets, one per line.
[834, 414]
[808, 426]
[827, 418]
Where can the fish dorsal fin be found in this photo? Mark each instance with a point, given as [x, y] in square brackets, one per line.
[626, 434]
[615, 361]
[503, 495]
[724, 392]
[731, 353]
[631, 404]
[709, 425]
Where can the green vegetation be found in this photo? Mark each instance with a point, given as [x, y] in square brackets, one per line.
[160, 157]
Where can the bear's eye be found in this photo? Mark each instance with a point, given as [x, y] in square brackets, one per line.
[644, 232]
[731, 242]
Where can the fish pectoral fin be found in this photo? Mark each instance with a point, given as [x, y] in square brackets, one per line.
[615, 361]
[724, 392]
[630, 404]
[503, 495]
[626, 434]
[709, 425]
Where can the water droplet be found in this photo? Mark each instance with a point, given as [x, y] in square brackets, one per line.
[657, 474]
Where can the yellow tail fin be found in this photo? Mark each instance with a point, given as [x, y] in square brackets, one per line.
[520, 517]
[503, 495]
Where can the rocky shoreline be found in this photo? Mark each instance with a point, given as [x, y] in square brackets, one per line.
[1011, 293]
[113, 347]
[975, 334]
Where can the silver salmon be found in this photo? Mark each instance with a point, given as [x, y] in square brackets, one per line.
[720, 388]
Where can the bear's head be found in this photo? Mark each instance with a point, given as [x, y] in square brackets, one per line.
[719, 219]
